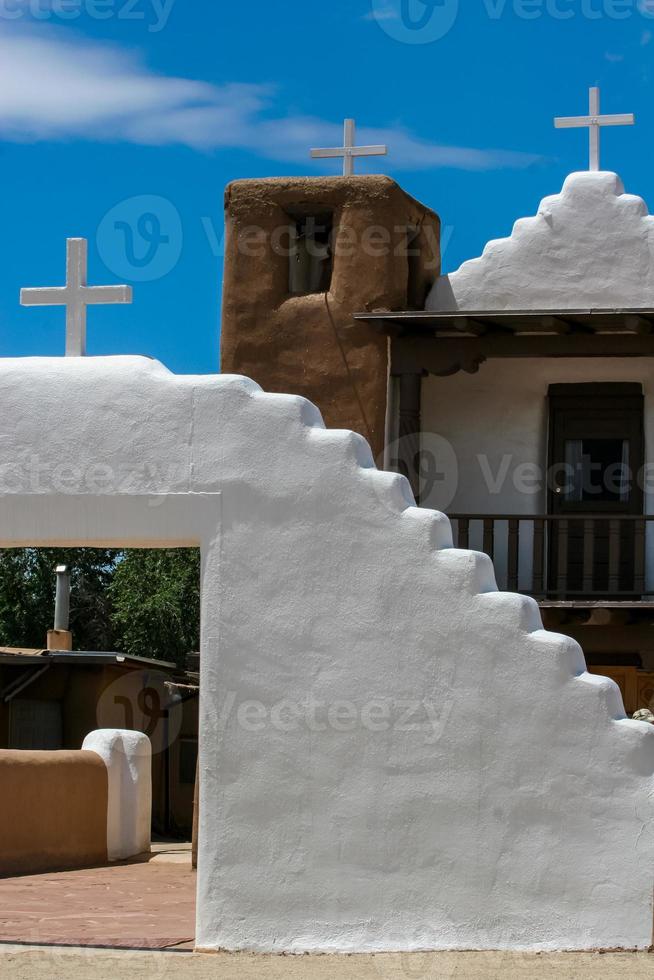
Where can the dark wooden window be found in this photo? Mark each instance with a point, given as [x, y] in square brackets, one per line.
[35, 724]
[596, 453]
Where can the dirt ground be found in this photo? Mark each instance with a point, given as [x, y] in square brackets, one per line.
[66, 964]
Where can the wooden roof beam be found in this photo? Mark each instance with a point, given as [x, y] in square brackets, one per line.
[638, 324]
[557, 324]
[468, 324]
[415, 355]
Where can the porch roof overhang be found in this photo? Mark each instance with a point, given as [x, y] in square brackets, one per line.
[477, 323]
[445, 342]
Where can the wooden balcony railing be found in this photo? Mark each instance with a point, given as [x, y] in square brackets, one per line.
[588, 556]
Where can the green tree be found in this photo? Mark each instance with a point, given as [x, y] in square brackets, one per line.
[155, 601]
[143, 603]
[27, 595]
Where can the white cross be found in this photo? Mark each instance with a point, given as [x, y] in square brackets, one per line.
[594, 121]
[76, 296]
[349, 151]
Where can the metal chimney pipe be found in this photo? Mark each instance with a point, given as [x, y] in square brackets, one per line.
[62, 599]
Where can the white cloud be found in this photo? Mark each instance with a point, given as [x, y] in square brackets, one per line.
[613, 57]
[53, 87]
[645, 38]
[56, 86]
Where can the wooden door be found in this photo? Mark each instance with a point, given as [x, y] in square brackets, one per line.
[596, 547]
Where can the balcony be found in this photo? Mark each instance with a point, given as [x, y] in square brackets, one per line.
[565, 560]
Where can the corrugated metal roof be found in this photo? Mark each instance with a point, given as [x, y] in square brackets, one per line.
[20, 654]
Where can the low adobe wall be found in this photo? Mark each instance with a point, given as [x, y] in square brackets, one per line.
[54, 811]
[63, 810]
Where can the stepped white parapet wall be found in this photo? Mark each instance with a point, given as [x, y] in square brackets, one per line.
[589, 247]
[128, 758]
[393, 755]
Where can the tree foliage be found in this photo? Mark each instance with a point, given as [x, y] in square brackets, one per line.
[27, 595]
[156, 603]
[143, 603]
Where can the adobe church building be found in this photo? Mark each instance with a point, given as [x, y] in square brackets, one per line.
[516, 393]
[394, 755]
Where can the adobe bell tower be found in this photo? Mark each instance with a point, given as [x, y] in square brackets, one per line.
[302, 256]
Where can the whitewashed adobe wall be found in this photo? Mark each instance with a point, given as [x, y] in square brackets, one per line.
[393, 754]
[589, 247]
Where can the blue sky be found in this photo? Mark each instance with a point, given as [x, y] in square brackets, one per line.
[115, 109]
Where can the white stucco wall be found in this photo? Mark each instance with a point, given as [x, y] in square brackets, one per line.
[496, 422]
[589, 247]
[393, 754]
[128, 758]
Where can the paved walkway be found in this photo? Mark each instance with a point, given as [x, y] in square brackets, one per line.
[35, 964]
[144, 905]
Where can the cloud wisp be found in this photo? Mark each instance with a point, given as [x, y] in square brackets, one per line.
[58, 86]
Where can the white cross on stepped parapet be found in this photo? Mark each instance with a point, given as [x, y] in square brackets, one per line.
[349, 151]
[76, 296]
[594, 122]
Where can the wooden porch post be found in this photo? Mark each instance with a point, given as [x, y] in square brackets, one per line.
[196, 817]
[409, 432]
